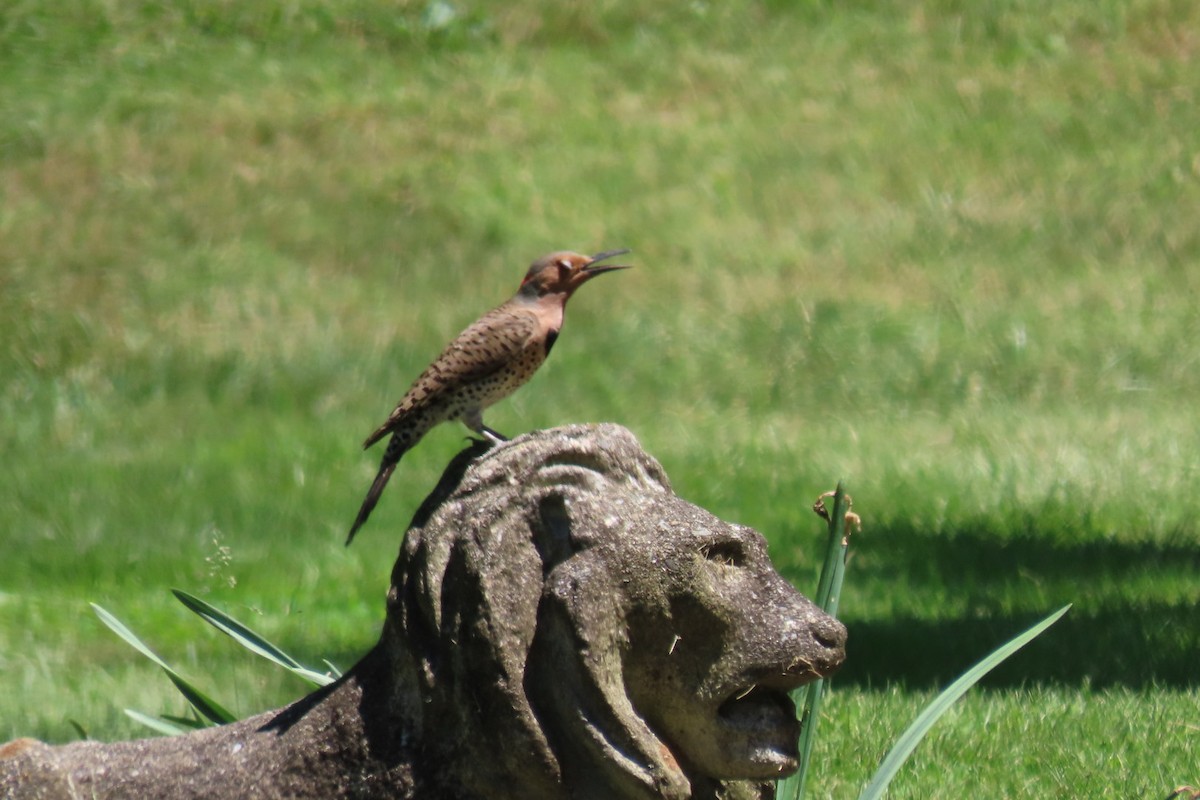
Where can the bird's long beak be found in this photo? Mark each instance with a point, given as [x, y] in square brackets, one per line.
[592, 269]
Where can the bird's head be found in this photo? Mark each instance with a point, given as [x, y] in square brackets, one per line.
[564, 272]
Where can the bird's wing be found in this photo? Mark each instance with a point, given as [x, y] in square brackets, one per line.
[493, 341]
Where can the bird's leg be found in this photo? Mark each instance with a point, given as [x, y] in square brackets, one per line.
[497, 438]
[473, 419]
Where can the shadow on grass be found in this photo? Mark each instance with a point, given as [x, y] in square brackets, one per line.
[1134, 623]
[1153, 645]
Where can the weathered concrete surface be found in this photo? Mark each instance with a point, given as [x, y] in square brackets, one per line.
[559, 624]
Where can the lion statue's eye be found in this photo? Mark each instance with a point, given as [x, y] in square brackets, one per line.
[728, 553]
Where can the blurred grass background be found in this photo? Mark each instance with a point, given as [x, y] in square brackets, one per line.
[947, 252]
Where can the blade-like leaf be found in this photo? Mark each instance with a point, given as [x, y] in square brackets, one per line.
[80, 731]
[249, 638]
[313, 677]
[210, 709]
[808, 698]
[160, 725]
[202, 702]
[242, 634]
[912, 737]
[118, 627]
[835, 554]
[192, 723]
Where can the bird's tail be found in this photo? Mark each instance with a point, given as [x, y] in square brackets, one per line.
[396, 448]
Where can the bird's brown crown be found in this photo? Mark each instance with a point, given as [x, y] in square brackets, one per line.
[563, 272]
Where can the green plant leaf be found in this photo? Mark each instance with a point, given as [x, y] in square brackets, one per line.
[833, 570]
[249, 639]
[909, 740]
[192, 723]
[204, 704]
[160, 725]
[808, 698]
[118, 627]
[210, 709]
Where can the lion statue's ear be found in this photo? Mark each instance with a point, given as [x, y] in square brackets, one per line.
[575, 676]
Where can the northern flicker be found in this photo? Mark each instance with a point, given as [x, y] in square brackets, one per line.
[485, 363]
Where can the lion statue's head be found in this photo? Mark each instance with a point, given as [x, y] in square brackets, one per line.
[565, 626]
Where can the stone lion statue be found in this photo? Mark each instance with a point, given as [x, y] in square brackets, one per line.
[559, 625]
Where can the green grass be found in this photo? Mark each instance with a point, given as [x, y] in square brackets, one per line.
[948, 253]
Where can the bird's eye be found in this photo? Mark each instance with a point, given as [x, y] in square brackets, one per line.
[564, 264]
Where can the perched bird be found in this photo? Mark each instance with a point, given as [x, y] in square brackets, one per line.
[486, 363]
